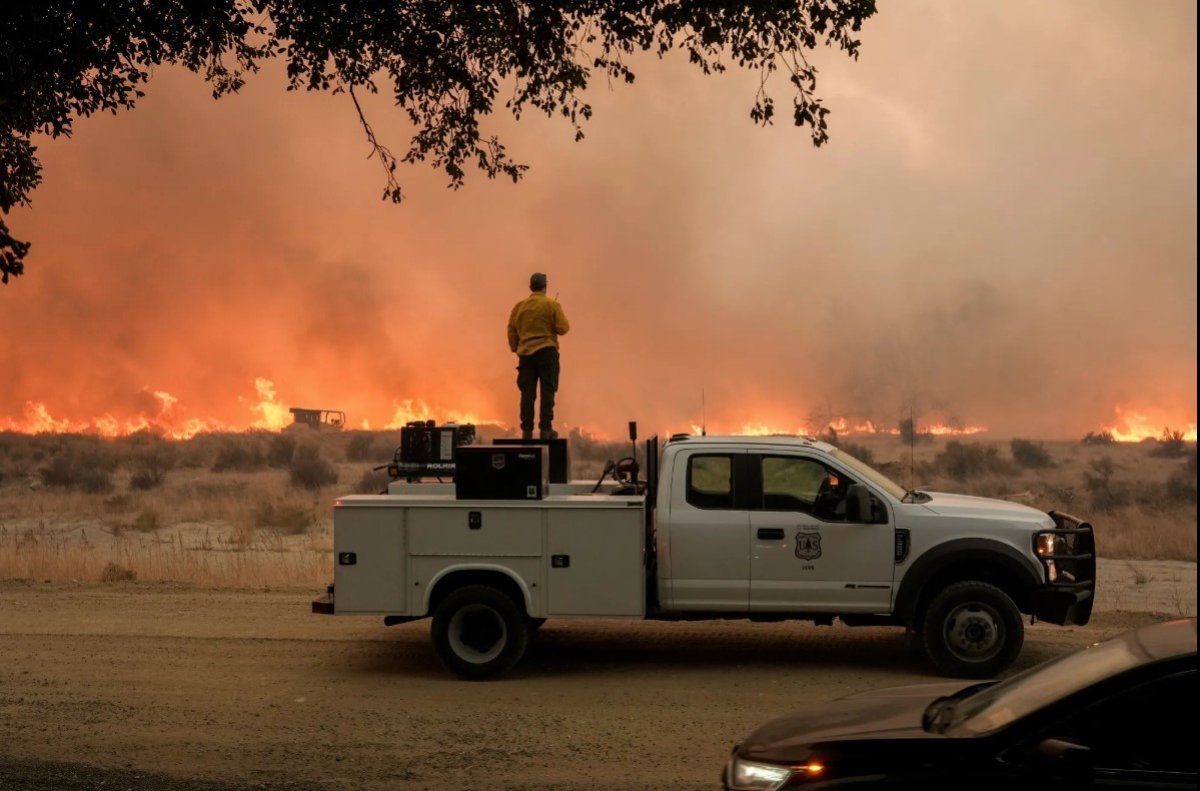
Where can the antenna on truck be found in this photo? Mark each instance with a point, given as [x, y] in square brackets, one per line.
[912, 447]
[703, 415]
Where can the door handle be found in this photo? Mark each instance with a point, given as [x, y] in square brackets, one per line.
[771, 533]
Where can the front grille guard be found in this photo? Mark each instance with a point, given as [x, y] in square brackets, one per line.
[1074, 555]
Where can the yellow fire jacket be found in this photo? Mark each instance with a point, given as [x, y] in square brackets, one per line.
[535, 323]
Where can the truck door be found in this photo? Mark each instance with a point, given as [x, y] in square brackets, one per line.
[710, 563]
[805, 556]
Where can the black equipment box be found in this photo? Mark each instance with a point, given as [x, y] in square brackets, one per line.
[500, 472]
[429, 449]
[560, 462]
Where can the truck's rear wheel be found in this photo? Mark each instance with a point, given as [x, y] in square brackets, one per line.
[972, 630]
[479, 632]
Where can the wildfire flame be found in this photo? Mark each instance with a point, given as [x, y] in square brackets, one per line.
[267, 413]
[164, 419]
[1132, 425]
[410, 410]
[847, 428]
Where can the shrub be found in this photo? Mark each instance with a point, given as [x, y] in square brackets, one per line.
[147, 521]
[238, 454]
[1103, 438]
[114, 572]
[150, 466]
[88, 469]
[860, 452]
[962, 460]
[1106, 494]
[281, 450]
[309, 470]
[285, 517]
[1032, 455]
[359, 447]
[1181, 487]
[372, 482]
[1171, 445]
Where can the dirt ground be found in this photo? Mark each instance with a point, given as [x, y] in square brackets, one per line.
[248, 689]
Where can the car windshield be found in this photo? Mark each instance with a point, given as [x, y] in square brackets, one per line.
[871, 474]
[1001, 704]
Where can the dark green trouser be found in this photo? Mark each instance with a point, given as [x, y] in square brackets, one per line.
[541, 366]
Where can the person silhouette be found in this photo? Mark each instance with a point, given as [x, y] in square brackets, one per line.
[533, 329]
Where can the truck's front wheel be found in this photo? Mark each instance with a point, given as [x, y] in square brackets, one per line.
[972, 630]
[479, 632]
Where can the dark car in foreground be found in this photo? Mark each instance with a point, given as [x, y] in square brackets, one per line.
[1117, 714]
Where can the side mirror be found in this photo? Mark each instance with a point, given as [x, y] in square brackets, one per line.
[1070, 758]
[858, 503]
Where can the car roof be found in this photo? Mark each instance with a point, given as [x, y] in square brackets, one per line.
[764, 440]
[1163, 640]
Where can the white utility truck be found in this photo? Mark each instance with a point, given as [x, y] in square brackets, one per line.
[758, 528]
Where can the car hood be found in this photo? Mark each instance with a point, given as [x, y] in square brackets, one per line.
[893, 713]
[963, 505]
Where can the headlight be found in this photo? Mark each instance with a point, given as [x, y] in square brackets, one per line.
[1045, 544]
[753, 776]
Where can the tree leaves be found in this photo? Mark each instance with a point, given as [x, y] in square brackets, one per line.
[447, 63]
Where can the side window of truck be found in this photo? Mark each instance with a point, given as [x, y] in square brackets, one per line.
[792, 483]
[710, 481]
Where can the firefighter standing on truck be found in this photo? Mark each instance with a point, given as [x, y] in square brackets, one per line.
[533, 329]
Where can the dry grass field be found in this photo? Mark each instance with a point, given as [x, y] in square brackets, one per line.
[253, 510]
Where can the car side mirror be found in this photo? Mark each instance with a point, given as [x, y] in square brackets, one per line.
[1070, 758]
[858, 503]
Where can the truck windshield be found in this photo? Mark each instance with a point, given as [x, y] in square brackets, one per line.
[874, 476]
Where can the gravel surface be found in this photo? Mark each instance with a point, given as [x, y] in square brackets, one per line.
[142, 686]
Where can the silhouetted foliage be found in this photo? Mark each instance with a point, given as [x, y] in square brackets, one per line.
[309, 470]
[860, 452]
[1181, 487]
[280, 450]
[1030, 454]
[359, 447]
[1102, 438]
[87, 468]
[238, 454]
[1171, 445]
[150, 466]
[963, 460]
[447, 63]
[1107, 495]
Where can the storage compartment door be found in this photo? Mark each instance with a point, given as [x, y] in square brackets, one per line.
[596, 563]
[368, 560]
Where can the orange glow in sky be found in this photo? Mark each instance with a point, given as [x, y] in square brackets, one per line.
[999, 246]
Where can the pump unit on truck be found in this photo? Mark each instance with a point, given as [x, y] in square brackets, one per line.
[759, 528]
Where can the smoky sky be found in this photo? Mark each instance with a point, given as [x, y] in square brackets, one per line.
[1001, 232]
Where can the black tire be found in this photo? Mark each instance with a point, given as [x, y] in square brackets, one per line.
[479, 632]
[972, 630]
[535, 624]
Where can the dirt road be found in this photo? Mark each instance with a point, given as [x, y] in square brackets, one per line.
[249, 689]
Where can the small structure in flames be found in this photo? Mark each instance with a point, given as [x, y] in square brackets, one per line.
[318, 418]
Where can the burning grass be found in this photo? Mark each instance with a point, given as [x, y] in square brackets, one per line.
[227, 510]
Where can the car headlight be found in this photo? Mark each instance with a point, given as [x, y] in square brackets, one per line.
[1045, 544]
[754, 776]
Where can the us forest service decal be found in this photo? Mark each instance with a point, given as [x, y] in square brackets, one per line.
[808, 544]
